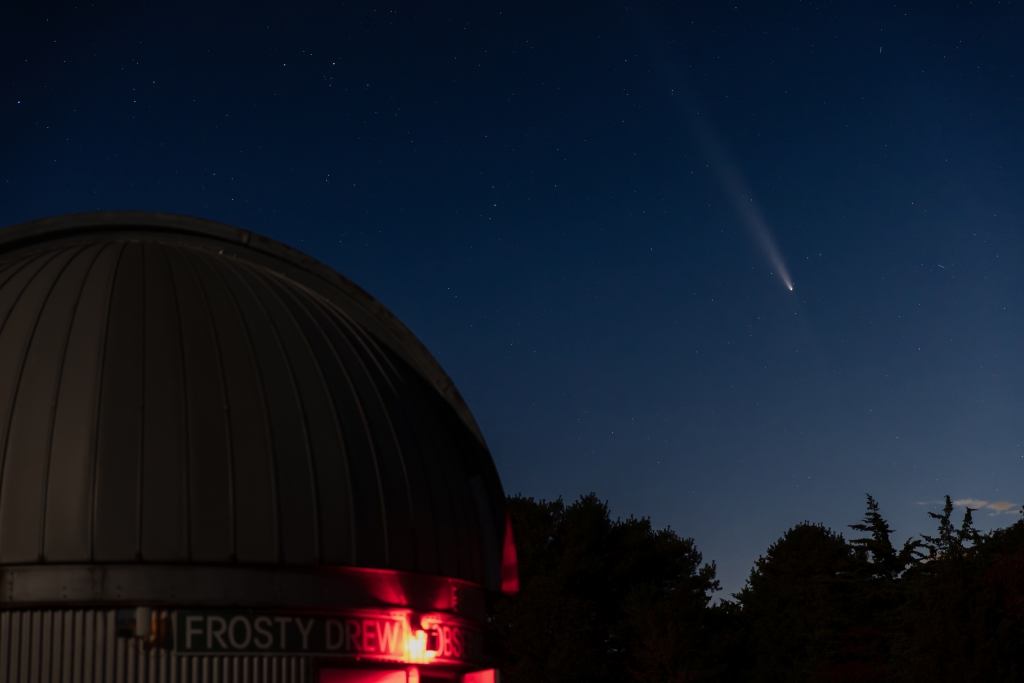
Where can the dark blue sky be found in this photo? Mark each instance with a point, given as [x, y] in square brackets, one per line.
[532, 188]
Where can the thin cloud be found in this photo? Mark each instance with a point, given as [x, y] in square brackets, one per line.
[998, 508]
[1003, 507]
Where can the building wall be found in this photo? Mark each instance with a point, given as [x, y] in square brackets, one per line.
[81, 646]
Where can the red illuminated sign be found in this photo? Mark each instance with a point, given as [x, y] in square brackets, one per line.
[375, 635]
[343, 676]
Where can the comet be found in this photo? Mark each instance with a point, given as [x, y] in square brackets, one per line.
[688, 103]
[736, 187]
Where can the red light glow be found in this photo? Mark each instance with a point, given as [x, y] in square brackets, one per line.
[509, 561]
[364, 676]
[416, 648]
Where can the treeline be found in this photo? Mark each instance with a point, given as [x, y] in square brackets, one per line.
[620, 601]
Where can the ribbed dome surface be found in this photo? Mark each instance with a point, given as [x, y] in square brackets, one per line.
[172, 391]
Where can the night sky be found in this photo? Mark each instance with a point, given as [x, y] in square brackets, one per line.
[589, 213]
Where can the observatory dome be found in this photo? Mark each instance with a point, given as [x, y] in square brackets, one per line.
[180, 393]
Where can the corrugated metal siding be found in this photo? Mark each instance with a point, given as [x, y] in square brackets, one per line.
[80, 646]
[167, 403]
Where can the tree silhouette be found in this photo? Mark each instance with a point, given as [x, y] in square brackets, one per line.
[951, 542]
[606, 600]
[962, 618]
[796, 603]
[878, 550]
[602, 599]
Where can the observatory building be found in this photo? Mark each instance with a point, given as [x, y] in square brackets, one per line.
[221, 461]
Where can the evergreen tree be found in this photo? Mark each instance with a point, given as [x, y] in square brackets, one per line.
[877, 549]
[950, 541]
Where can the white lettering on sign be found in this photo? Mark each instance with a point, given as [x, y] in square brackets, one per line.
[369, 635]
[385, 636]
[335, 634]
[239, 643]
[191, 622]
[283, 621]
[304, 629]
[389, 635]
[215, 628]
[264, 638]
[352, 630]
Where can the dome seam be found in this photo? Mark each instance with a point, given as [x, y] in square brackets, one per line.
[44, 498]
